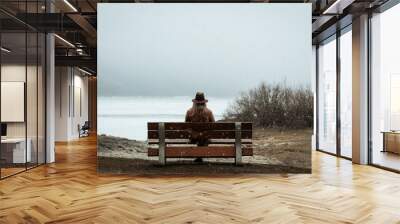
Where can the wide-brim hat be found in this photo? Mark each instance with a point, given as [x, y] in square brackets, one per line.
[199, 98]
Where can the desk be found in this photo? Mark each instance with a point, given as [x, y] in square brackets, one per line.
[391, 141]
[13, 150]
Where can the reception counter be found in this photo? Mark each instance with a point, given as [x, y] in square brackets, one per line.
[13, 150]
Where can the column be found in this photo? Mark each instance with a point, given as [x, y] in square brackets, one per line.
[360, 90]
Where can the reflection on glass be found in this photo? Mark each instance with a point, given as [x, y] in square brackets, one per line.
[22, 92]
[41, 98]
[31, 101]
[14, 150]
[327, 97]
[346, 94]
[386, 89]
[395, 102]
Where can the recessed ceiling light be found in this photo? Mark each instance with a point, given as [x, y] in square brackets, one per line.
[84, 71]
[70, 5]
[337, 7]
[5, 50]
[64, 40]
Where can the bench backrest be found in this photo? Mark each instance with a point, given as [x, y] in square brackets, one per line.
[186, 130]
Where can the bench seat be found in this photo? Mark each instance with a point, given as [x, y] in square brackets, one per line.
[200, 151]
[224, 140]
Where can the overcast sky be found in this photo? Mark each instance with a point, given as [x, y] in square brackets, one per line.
[221, 49]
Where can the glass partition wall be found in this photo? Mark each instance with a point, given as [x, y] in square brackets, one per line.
[346, 93]
[327, 95]
[22, 98]
[385, 89]
[334, 104]
[14, 153]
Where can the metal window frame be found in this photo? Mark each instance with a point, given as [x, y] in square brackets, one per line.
[381, 9]
[44, 74]
[340, 32]
[338, 95]
[386, 6]
[0, 92]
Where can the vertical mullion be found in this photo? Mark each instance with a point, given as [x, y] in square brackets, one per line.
[69, 92]
[317, 97]
[369, 77]
[60, 88]
[73, 93]
[37, 90]
[26, 86]
[0, 95]
[45, 95]
[45, 87]
[338, 81]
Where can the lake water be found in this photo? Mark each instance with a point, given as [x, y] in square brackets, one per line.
[128, 116]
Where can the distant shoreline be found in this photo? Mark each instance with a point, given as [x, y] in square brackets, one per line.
[128, 116]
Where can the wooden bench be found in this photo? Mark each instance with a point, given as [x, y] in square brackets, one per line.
[179, 140]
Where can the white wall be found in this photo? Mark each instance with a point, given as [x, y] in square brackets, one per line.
[62, 81]
[12, 73]
[33, 127]
[80, 110]
[71, 102]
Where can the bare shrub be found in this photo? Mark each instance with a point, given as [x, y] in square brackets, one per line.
[273, 105]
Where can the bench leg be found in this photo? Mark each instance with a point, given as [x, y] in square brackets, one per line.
[161, 143]
[238, 143]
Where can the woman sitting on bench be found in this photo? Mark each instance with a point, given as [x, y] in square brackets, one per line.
[199, 113]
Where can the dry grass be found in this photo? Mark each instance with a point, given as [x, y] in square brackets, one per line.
[275, 151]
[287, 147]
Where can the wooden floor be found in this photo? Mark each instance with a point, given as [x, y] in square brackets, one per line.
[5, 172]
[387, 159]
[71, 191]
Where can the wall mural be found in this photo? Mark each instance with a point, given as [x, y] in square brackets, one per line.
[204, 88]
